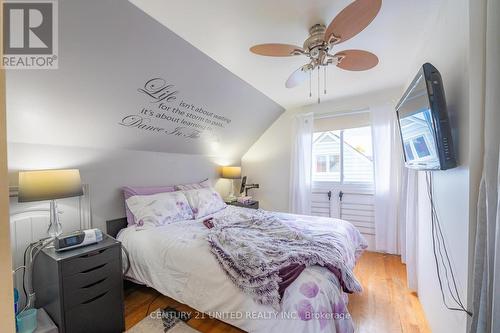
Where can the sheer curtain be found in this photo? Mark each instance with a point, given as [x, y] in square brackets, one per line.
[408, 224]
[486, 267]
[301, 163]
[387, 164]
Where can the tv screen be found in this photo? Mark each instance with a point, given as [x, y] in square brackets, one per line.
[423, 123]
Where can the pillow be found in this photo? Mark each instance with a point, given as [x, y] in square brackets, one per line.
[204, 201]
[186, 187]
[129, 191]
[159, 209]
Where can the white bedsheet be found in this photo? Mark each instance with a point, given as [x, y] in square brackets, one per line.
[176, 260]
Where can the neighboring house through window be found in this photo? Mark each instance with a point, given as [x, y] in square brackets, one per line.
[417, 146]
[343, 156]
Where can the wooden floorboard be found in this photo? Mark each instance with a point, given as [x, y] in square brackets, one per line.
[385, 305]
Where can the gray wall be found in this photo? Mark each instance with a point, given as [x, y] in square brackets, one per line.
[73, 116]
[108, 50]
[106, 171]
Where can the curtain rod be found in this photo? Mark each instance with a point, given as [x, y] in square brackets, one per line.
[340, 114]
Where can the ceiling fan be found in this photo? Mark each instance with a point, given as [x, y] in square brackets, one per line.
[317, 47]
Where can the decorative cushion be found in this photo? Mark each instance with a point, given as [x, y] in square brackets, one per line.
[129, 191]
[159, 209]
[186, 187]
[204, 201]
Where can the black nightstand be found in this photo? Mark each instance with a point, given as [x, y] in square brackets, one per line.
[252, 205]
[82, 289]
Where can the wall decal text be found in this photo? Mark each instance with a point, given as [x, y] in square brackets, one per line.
[167, 114]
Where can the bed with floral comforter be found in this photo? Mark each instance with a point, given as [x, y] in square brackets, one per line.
[177, 260]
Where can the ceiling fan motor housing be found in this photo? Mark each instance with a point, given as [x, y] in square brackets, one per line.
[316, 41]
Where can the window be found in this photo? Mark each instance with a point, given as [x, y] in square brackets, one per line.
[417, 147]
[421, 147]
[334, 163]
[409, 151]
[320, 163]
[326, 156]
[343, 156]
[327, 163]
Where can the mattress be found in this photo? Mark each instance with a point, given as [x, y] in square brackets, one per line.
[175, 259]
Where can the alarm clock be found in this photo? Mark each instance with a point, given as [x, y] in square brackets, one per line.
[77, 239]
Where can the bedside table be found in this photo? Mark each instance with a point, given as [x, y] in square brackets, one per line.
[82, 289]
[252, 205]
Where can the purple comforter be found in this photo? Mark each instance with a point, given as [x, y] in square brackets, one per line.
[263, 253]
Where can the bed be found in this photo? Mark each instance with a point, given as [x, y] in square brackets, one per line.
[176, 260]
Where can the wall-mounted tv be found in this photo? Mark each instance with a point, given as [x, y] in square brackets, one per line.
[424, 125]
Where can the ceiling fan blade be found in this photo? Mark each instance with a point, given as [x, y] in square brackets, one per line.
[299, 76]
[275, 50]
[356, 60]
[352, 20]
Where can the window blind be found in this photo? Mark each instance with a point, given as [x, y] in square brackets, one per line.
[340, 122]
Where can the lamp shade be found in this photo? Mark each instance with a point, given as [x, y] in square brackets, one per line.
[49, 185]
[231, 172]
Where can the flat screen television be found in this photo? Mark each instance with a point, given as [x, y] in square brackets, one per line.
[424, 125]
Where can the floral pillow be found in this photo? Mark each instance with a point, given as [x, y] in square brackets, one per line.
[129, 191]
[159, 209]
[204, 201]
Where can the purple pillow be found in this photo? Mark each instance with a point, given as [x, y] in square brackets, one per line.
[129, 191]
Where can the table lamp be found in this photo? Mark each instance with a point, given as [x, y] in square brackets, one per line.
[231, 172]
[50, 185]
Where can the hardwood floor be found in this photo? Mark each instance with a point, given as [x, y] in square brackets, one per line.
[385, 305]
[140, 301]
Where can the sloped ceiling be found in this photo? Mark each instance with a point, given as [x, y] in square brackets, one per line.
[126, 81]
[226, 29]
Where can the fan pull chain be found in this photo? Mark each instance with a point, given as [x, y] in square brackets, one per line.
[324, 86]
[310, 83]
[319, 98]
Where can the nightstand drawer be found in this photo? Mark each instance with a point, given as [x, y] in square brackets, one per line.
[83, 279]
[90, 261]
[82, 287]
[84, 318]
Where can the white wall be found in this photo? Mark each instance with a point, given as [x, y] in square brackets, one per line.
[106, 171]
[267, 162]
[476, 101]
[446, 47]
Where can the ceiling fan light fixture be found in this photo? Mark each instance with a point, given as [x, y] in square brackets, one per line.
[349, 22]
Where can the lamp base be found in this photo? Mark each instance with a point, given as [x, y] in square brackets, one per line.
[231, 197]
[55, 227]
